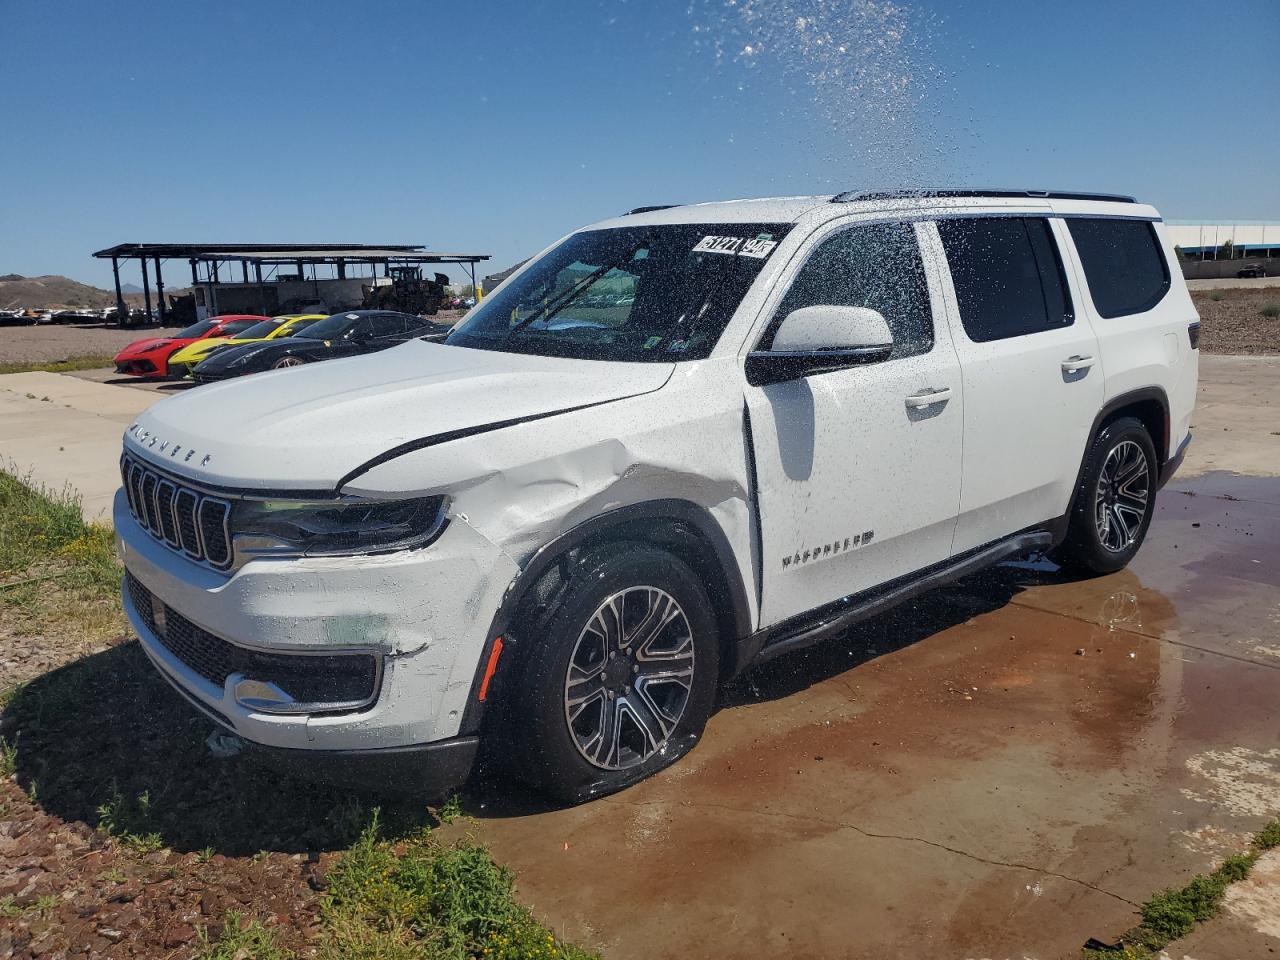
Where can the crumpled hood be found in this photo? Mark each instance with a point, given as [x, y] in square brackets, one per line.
[305, 428]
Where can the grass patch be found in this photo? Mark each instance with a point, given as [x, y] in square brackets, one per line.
[424, 899]
[1271, 311]
[1174, 913]
[59, 576]
[8, 758]
[130, 822]
[44, 534]
[92, 362]
[242, 940]
[1217, 296]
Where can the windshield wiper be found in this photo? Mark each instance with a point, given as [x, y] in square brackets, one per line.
[554, 306]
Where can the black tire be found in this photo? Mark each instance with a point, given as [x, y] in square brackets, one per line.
[1090, 547]
[545, 750]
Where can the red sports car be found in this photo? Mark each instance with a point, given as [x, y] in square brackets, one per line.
[150, 357]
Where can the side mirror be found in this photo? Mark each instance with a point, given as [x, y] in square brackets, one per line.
[819, 339]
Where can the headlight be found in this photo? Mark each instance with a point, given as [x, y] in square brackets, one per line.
[347, 525]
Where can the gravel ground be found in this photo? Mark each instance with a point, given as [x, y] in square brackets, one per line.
[58, 342]
[1232, 320]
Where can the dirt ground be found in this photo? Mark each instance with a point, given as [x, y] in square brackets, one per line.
[1232, 320]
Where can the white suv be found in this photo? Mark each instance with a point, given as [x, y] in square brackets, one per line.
[673, 445]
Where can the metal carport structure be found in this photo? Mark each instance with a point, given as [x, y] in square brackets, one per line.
[210, 259]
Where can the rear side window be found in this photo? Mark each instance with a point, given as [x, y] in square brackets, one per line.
[1008, 276]
[1123, 264]
[878, 266]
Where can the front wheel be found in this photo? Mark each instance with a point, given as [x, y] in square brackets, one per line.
[1115, 500]
[284, 362]
[622, 678]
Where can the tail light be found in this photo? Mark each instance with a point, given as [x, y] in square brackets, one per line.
[1193, 334]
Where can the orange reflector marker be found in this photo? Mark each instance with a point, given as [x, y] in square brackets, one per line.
[490, 668]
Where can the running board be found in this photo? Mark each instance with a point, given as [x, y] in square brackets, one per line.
[851, 610]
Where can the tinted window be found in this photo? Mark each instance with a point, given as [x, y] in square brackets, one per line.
[196, 329]
[1123, 264]
[1007, 274]
[386, 325]
[330, 328]
[236, 326]
[876, 266]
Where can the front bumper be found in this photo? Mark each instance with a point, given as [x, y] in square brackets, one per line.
[425, 614]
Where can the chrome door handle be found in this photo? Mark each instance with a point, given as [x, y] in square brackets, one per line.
[927, 398]
[1077, 363]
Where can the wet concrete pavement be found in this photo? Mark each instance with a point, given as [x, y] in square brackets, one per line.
[1003, 769]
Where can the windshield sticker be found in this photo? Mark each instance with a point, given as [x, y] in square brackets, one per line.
[652, 342]
[742, 246]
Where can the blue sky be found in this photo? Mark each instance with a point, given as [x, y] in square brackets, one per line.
[496, 127]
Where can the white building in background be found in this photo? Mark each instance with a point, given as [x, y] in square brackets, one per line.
[1203, 238]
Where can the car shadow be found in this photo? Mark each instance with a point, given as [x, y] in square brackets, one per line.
[107, 742]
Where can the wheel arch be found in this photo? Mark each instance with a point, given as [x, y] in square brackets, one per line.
[1149, 405]
[683, 528]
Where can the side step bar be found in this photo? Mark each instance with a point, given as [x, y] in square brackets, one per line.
[843, 614]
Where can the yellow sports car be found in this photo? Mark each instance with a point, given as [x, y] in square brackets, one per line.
[180, 363]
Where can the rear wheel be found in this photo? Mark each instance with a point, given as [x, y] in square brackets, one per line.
[622, 679]
[1115, 501]
[287, 362]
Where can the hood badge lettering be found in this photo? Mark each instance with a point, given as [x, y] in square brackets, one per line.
[148, 439]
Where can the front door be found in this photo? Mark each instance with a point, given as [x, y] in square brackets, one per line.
[858, 470]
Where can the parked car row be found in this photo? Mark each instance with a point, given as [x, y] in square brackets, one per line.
[237, 344]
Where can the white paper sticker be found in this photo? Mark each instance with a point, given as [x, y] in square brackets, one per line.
[743, 246]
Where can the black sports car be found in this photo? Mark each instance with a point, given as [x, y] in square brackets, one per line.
[341, 335]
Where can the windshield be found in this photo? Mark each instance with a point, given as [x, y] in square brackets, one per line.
[195, 330]
[653, 293]
[260, 330]
[330, 328]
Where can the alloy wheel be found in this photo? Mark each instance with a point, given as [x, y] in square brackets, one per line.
[287, 362]
[629, 678]
[1123, 496]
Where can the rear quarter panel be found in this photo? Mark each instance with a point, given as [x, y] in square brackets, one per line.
[1149, 349]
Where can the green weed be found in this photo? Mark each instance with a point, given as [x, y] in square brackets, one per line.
[429, 900]
[242, 940]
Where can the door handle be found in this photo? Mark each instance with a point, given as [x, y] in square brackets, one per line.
[1077, 363]
[927, 398]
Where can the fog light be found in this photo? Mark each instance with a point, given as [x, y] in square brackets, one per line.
[263, 696]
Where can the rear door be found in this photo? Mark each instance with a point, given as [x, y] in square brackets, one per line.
[1029, 360]
[858, 470]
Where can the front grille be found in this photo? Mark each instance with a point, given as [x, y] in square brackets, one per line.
[340, 678]
[184, 519]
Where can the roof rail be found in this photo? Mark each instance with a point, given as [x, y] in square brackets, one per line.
[849, 196]
[656, 206]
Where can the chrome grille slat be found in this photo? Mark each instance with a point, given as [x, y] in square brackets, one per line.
[183, 518]
[165, 492]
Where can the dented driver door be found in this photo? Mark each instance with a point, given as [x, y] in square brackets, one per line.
[858, 470]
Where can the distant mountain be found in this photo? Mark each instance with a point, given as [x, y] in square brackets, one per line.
[130, 288]
[55, 292]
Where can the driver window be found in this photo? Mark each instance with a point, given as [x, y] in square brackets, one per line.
[877, 265]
